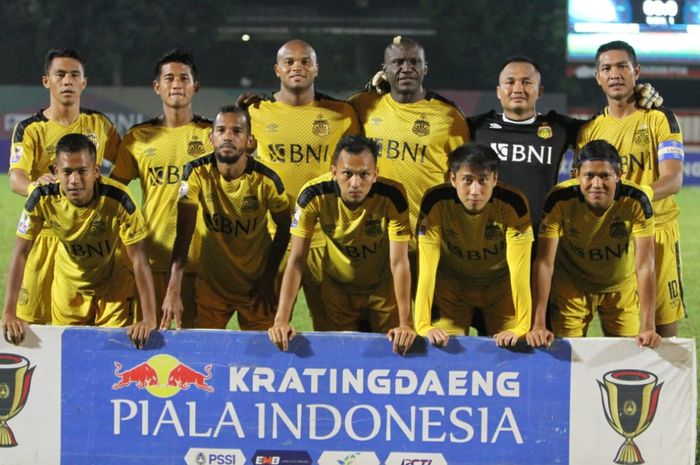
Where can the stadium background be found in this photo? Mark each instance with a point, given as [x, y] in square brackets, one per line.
[235, 42]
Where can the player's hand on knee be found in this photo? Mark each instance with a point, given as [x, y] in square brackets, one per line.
[402, 338]
[280, 335]
[649, 339]
[438, 337]
[13, 329]
[647, 96]
[139, 332]
[539, 337]
[506, 339]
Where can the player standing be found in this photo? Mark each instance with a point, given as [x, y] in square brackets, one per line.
[650, 145]
[156, 152]
[32, 161]
[415, 128]
[297, 129]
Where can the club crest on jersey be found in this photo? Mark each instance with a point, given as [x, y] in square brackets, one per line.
[421, 127]
[195, 147]
[93, 139]
[544, 131]
[373, 227]
[328, 228]
[97, 227]
[321, 127]
[618, 230]
[149, 152]
[493, 231]
[250, 203]
[641, 135]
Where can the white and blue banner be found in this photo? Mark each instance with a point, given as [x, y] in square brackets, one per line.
[86, 396]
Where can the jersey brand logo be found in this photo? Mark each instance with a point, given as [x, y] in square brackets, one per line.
[495, 126]
[149, 152]
[273, 127]
[375, 121]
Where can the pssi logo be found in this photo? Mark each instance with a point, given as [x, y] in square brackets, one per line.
[197, 456]
[162, 376]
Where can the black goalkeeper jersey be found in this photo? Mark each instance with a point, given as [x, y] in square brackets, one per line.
[530, 154]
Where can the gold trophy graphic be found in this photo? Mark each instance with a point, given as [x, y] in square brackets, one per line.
[15, 380]
[630, 398]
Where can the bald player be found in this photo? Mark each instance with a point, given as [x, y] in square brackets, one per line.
[297, 129]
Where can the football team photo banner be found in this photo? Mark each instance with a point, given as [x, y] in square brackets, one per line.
[86, 396]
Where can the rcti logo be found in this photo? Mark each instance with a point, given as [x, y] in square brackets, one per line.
[630, 398]
[162, 376]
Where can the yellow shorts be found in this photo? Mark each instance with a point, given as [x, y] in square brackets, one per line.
[572, 310]
[347, 310]
[189, 301]
[214, 311]
[34, 300]
[114, 309]
[669, 286]
[311, 283]
[456, 300]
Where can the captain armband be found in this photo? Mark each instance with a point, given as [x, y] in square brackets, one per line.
[671, 150]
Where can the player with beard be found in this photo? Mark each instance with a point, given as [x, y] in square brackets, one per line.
[235, 194]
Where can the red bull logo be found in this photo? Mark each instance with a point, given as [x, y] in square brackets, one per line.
[162, 376]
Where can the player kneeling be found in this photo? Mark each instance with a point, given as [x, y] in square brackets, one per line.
[474, 245]
[90, 215]
[595, 217]
[366, 275]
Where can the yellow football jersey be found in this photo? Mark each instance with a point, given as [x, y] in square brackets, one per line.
[481, 249]
[235, 241]
[34, 140]
[414, 139]
[644, 139]
[357, 250]
[89, 234]
[157, 156]
[298, 141]
[597, 252]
